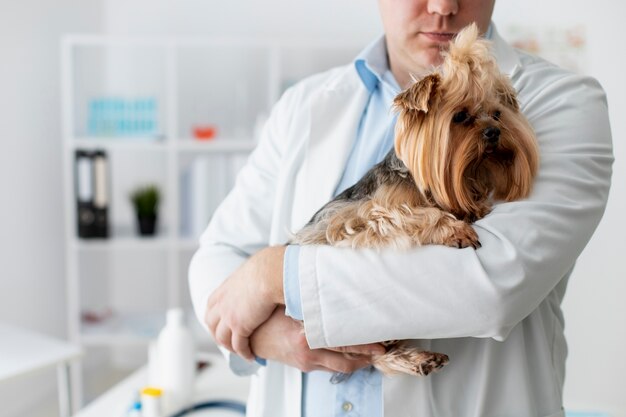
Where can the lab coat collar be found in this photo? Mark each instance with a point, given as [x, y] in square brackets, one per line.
[507, 58]
[335, 114]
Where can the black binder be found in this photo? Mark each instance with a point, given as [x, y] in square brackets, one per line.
[92, 194]
[101, 194]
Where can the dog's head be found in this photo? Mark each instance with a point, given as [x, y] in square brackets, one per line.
[461, 133]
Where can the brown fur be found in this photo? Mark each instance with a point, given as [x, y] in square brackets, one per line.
[442, 175]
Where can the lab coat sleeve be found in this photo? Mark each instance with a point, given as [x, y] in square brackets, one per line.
[241, 224]
[360, 296]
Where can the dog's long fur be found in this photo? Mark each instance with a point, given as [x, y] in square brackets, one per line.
[461, 144]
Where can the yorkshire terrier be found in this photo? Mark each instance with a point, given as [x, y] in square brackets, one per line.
[461, 144]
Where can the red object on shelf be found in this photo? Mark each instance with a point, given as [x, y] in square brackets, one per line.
[92, 316]
[204, 132]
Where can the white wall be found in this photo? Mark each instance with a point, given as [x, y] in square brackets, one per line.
[346, 19]
[31, 218]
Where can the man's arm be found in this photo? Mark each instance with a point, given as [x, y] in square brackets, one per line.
[257, 282]
[281, 339]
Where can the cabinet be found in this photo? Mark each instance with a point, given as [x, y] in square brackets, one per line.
[175, 84]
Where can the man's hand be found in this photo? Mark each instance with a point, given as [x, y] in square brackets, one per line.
[246, 299]
[282, 339]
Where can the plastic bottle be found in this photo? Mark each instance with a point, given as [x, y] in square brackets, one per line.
[176, 353]
[154, 366]
[151, 402]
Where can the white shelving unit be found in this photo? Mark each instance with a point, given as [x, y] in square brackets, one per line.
[227, 82]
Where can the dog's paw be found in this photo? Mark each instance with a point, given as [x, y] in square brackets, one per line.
[411, 361]
[464, 237]
[432, 361]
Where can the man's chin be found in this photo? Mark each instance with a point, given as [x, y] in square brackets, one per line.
[427, 58]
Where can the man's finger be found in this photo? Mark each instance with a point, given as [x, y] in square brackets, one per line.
[211, 321]
[223, 336]
[241, 346]
[337, 362]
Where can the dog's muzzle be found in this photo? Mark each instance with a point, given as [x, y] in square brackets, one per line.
[491, 135]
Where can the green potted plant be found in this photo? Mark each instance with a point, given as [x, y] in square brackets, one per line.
[146, 199]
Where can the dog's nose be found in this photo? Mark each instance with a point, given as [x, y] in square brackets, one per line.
[491, 135]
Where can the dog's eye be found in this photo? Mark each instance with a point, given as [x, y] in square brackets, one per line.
[496, 114]
[460, 117]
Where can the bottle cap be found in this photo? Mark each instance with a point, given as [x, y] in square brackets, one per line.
[152, 392]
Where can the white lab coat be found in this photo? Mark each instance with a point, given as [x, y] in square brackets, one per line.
[495, 311]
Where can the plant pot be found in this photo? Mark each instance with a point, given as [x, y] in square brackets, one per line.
[147, 225]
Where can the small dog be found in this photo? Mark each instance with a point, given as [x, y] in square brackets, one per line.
[461, 143]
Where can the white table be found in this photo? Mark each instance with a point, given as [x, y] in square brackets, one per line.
[23, 352]
[215, 382]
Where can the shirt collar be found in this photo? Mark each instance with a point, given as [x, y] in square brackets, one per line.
[507, 58]
[372, 64]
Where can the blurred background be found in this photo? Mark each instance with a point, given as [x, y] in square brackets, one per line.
[108, 107]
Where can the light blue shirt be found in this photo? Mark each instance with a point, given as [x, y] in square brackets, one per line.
[361, 394]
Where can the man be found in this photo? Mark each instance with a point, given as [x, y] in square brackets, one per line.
[495, 311]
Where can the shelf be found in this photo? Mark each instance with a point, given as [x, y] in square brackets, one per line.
[120, 143]
[222, 145]
[123, 243]
[123, 329]
[136, 329]
[135, 243]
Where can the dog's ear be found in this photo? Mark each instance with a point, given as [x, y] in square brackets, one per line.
[418, 96]
[507, 94]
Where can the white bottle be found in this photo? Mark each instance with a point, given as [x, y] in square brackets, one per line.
[154, 366]
[176, 353]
